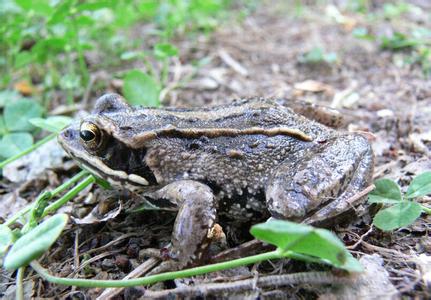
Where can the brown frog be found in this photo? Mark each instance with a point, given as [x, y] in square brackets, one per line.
[243, 161]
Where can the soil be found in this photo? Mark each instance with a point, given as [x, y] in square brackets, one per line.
[259, 55]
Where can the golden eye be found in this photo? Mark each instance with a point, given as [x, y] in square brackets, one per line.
[90, 134]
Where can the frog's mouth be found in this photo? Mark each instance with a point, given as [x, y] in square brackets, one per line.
[69, 140]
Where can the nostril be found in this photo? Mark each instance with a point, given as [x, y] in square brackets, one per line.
[67, 133]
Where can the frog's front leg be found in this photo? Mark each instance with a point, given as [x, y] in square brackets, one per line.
[195, 219]
[316, 189]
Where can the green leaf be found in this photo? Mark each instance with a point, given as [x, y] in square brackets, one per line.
[35, 242]
[85, 6]
[129, 55]
[420, 186]
[6, 238]
[39, 6]
[398, 41]
[70, 81]
[391, 10]
[14, 143]
[362, 33]
[44, 49]
[398, 215]
[141, 89]
[162, 51]
[304, 239]
[3, 129]
[386, 191]
[52, 124]
[83, 21]
[23, 58]
[62, 11]
[9, 96]
[17, 114]
[318, 55]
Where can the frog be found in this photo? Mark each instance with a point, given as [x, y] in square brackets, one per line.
[245, 161]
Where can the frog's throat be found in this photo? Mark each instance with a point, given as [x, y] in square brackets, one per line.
[116, 178]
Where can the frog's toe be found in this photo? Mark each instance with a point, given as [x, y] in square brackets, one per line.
[294, 208]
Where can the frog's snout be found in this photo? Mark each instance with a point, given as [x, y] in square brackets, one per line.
[67, 134]
[68, 137]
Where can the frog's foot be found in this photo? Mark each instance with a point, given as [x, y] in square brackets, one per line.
[193, 228]
[317, 189]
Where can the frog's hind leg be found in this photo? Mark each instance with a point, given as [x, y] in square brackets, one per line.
[195, 219]
[319, 113]
[316, 189]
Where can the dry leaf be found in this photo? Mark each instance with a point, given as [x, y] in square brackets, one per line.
[313, 86]
[24, 88]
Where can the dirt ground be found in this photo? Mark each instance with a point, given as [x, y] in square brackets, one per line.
[258, 56]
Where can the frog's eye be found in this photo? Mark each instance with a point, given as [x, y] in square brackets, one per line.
[90, 134]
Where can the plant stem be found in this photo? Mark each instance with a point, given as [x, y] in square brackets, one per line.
[69, 183]
[19, 293]
[158, 277]
[164, 76]
[28, 150]
[81, 59]
[150, 68]
[69, 195]
[425, 209]
[56, 191]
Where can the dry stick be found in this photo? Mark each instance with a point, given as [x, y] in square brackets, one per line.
[385, 251]
[361, 239]
[75, 254]
[111, 243]
[139, 271]
[76, 251]
[93, 259]
[247, 284]
[240, 250]
[361, 194]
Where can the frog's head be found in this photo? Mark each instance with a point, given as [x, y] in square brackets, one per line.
[104, 143]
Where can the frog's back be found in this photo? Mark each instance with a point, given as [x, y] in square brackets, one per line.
[140, 123]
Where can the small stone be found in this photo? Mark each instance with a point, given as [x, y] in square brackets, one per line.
[107, 264]
[122, 262]
[133, 250]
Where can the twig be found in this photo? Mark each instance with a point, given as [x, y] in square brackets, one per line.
[76, 251]
[139, 271]
[93, 259]
[240, 251]
[361, 239]
[111, 243]
[385, 250]
[231, 62]
[76, 254]
[247, 284]
[360, 194]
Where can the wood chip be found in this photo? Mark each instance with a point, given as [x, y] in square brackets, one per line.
[231, 62]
